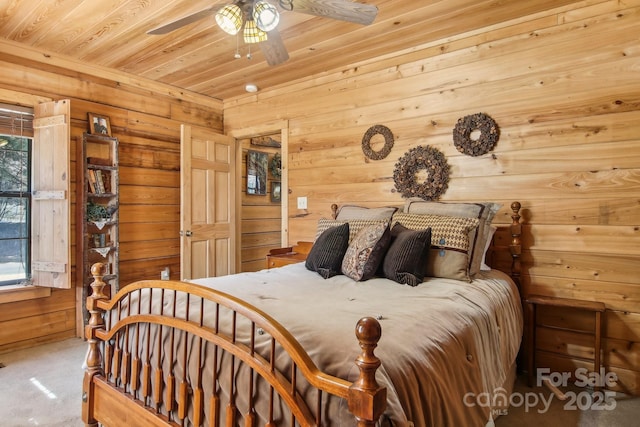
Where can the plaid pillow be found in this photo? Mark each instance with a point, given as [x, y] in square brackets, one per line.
[483, 211]
[451, 247]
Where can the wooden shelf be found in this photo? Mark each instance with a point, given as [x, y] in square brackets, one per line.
[97, 159]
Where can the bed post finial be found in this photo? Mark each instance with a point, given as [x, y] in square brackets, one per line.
[516, 245]
[94, 355]
[367, 399]
[334, 211]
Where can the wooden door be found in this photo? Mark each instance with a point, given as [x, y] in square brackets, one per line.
[208, 203]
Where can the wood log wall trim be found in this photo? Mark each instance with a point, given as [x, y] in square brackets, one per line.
[563, 86]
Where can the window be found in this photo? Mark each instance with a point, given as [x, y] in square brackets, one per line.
[37, 197]
[16, 132]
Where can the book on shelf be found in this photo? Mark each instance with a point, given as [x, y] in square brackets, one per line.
[99, 181]
[92, 181]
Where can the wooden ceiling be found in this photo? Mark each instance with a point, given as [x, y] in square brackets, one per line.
[200, 57]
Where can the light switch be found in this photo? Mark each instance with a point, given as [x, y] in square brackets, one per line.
[302, 203]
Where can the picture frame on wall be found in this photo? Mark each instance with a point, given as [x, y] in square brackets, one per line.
[257, 172]
[276, 191]
[99, 125]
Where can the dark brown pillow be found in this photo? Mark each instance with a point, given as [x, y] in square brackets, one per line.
[325, 256]
[405, 259]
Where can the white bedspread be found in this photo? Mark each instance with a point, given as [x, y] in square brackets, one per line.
[440, 340]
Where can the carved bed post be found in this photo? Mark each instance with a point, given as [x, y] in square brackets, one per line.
[367, 400]
[94, 354]
[516, 245]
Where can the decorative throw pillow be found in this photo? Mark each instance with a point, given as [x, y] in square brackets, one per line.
[350, 212]
[450, 253]
[355, 225]
[483, 211]
[484, 266]
[405, 260]
[366, 251]
[325, 256]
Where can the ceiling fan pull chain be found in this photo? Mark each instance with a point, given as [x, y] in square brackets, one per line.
[237, 54]
[286, 4]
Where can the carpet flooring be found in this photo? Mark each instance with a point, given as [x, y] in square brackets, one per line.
[42, 386]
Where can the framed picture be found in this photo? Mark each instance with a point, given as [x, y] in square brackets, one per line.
[99, 125]
[257, 172]
[276, 191]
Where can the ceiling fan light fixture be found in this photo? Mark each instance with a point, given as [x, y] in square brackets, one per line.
[253, 34]
[229, 19]
[265, 15]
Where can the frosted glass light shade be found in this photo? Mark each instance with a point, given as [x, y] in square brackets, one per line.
[265, 15]
[229, 19]
[253, 34]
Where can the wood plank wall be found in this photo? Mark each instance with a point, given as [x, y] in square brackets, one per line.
[564, 88]
[146, 119]
[261, 217]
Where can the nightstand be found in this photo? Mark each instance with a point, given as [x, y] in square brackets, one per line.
[534, 301]
[289, 255]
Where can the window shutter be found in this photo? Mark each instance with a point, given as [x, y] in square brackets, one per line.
[51, 189]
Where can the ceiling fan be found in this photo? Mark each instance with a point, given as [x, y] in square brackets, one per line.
[258, 20]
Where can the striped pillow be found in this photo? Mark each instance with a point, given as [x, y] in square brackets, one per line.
[405, 259]
[327, 252]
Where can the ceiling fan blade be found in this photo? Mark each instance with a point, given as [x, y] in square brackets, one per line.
[343, 10]
[179, 23]
[274, 49]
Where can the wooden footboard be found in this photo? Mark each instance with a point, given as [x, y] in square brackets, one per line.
[173, 353]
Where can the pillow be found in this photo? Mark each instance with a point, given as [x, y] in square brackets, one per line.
[483, 211]
[450, 253]
[325, 256]
[484, 266]
[405, 260]
[366, 251]
[355, 225]
[349, 212]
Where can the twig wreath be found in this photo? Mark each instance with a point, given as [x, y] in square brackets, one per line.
[489, 134]
[275, 166]
[388, 142]
[433, 162]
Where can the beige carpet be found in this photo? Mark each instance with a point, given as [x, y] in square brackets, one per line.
[43, 386]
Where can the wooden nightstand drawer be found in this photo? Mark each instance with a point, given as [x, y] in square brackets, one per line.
[290, 255]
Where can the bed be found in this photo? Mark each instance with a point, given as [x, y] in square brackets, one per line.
[298, 345]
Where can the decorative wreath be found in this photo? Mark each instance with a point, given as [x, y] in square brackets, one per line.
[436, 166]
[275, 166]
[388, 142]
[489, 134]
